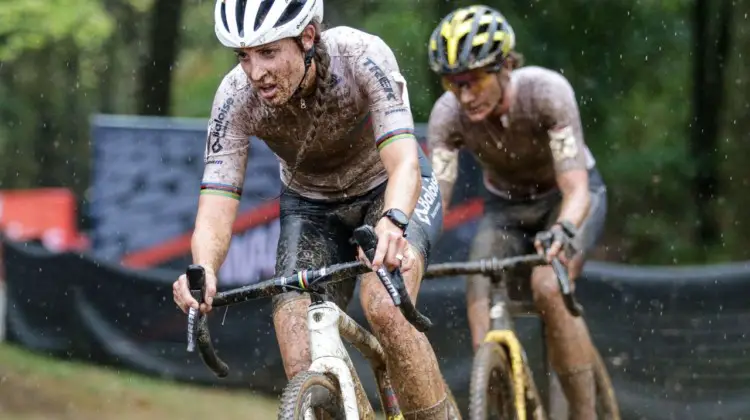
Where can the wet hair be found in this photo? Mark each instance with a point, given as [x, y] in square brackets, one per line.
[320, 96]
[517, 59]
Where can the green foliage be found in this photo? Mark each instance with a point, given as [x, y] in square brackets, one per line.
[407, 33]
[37, 24]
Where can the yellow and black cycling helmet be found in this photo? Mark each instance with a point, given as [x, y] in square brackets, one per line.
[469, 38]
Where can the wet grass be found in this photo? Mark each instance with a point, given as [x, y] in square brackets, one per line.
[34, 386]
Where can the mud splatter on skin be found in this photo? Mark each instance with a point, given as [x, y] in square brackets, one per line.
[410, 358]
[285, 72]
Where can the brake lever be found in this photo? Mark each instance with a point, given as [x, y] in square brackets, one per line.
[198, 323]
[575, 308]
[365, 237]
[196, 276]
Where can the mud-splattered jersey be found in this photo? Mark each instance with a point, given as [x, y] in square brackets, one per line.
[522, 151]
[368, 108]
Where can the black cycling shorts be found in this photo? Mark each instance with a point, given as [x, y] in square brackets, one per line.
[316, 233]
[509, 227]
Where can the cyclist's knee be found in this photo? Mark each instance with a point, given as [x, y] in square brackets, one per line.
[379, 309]
[545, 288]
[290, 324]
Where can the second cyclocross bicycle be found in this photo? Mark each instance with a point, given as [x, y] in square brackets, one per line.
[502, 385]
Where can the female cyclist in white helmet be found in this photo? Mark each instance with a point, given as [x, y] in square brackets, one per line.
[334, 108]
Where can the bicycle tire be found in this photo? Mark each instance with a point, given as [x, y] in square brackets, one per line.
[311, 390]
[491, 384]
[606, 401]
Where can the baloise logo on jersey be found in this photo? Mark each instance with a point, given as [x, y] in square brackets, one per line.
[427, 200]
[219, 128]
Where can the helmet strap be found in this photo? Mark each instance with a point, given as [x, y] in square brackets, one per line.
[308, 57]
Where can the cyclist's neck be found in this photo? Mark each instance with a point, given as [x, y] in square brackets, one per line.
[509, 96]
[310, 81]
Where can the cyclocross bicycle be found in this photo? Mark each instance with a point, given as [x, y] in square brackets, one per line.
[502, 385]
[329, 385]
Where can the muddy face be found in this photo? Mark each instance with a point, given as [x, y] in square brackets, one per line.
[479, 91]
[274, 69]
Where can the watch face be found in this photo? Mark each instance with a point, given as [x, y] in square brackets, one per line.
[398, 217]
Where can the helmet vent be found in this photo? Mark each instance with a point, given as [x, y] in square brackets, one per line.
[263, 9]
[224, 16]
[239, 13]
[291, 12]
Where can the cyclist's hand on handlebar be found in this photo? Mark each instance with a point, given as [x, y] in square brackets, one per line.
[559, 239]
[392, 249]
[185, 300]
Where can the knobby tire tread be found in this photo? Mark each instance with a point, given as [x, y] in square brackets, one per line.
[324, 394]
[491, 364]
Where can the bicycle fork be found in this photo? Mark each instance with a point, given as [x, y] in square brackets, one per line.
[329, 355]
[502, 333]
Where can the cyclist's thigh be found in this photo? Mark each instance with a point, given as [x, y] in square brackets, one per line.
[426, 221]
[310, 238]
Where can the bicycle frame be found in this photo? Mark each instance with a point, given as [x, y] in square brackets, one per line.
[327, 324]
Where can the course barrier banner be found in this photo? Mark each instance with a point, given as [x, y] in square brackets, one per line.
[674, 340]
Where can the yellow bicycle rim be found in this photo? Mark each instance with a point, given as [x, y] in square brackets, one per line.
[509, 339]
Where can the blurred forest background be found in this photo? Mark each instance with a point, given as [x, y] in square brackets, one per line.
[662, 87]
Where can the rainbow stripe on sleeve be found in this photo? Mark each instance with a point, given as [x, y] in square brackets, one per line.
[221, 189]
[392, 136]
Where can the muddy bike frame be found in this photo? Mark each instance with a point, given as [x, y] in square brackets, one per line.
[326, 323]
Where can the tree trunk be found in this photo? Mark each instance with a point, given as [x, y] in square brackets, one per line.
[156, 71]
[709, 54]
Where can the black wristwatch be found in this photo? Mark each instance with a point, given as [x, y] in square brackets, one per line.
[398, 218]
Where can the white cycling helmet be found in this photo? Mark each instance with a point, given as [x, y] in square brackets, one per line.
[249, 23]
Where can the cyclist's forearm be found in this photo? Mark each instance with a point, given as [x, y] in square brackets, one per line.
[403, 188]
[213, 230]
[574, 186]
[445, 166]
[575, 205]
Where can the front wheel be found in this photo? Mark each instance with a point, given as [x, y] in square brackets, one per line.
[491, 394]
[311, 396]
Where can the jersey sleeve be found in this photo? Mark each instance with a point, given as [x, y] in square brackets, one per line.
[560, 110]
[227, 144]
[444, 138]
[379, 77]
